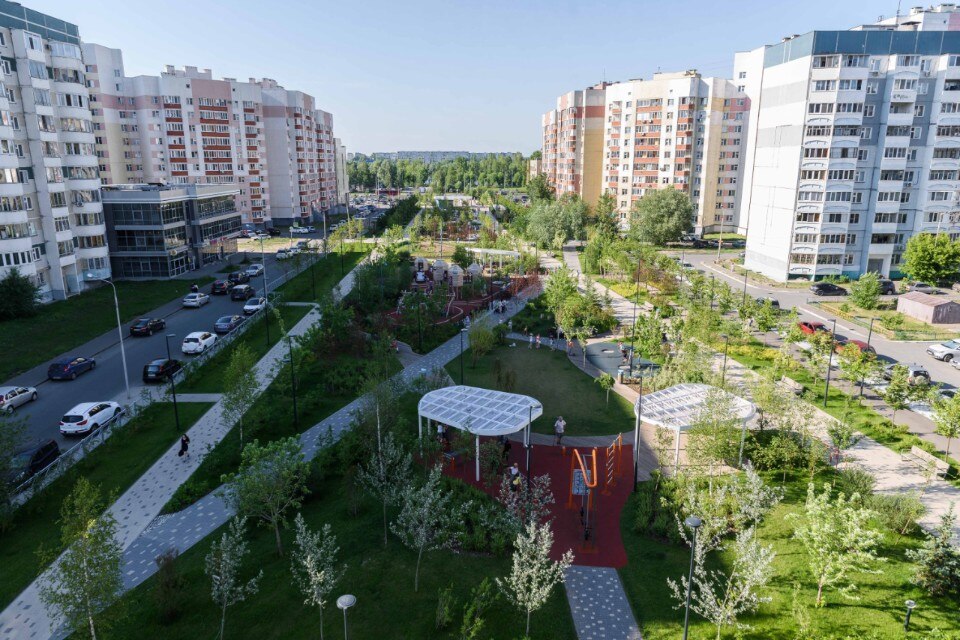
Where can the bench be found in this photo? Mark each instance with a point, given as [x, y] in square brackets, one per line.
[454, 457]
[791, 385]
[926, 460]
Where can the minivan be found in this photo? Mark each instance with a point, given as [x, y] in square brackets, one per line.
[30, 461]
[241, 292]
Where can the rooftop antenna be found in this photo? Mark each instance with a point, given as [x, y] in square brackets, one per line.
[897, 22]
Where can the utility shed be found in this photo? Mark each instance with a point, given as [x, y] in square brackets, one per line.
[928, 308]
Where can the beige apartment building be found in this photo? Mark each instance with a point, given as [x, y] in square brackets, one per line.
[573, 143]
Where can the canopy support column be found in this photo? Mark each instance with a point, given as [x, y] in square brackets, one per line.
[478, 459]
[676, 461]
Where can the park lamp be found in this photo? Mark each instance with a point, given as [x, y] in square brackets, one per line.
[344, 602]
[911, 605]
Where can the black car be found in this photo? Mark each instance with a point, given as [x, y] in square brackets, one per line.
[226, 324]
[220, 288]
[827, 289]
[273, 231]
[238, 277]
[774, 303]
[160, 369]
[242, 292]
[147, 326]
[32, 460]
[888, 288]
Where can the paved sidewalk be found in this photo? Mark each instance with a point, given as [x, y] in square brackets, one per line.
[599, 604]
[139, 506]
[199, 397]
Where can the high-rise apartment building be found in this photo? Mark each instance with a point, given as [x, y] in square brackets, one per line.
[343, 179]
[572, 153]
[853, 145]
[184, 126]
[51, 219]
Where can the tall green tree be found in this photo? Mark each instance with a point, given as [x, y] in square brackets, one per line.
[240, 386]
[661, 216]
[538, 188]
[605, 222]
[931, 257]
[315, 567]
[222, 565]
[19, 297]
[898, 392]
[946, 417]
[865, 292]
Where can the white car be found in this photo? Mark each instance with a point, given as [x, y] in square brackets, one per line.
[302, 230]
[197, 342]
[254, 270]
[195, 300]
[253, 305]
[13, 397]
[947, 351]
[283, 254]
[86, 417]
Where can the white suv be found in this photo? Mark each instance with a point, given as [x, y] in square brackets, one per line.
[197, 342]
[946, 351]
[86, 417]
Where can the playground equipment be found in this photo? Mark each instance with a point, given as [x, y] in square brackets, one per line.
[582, 483]
[456, 276]
[475, 270]
[612, 464]
[421, 264]
[440, 269]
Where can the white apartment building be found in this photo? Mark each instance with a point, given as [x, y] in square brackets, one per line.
[343, 180]
[853, 145]
[678, 130]
[51, 218]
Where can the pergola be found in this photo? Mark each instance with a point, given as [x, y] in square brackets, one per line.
[678, 407]
[491, 253]
[482, 412]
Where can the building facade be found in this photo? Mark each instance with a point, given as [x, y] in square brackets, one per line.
[161, 231]
[853, 145]
[343, 179]
[572, 149]
[51, 218]
[184, 126]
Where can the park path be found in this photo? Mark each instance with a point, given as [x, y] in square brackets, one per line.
[141, 503]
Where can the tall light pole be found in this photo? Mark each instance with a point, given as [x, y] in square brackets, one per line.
[743, 303]
[869, 335]
[123, 351]
[636, 437]
[173, 384]
[694, 523]
[636, 296]
[726, 347]
[833, 338]
[266, 295]
[344, 602]
[711, 291]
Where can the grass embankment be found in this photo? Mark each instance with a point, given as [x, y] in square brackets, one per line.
[327, 272]
[209, 377]
[878, 613]
[561, 387]
[64, 325]
[114, 466]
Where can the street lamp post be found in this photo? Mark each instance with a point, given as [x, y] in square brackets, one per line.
[636, 295]
[529, 445]
[636, 437]
[743, 303]
[833, 337]
[266, 295]
[293, 383]
[726, 348]
[173, 384]
[462, 331]
[869, 335]
[694, 523]
[712, 280]
[123, 351]
[911, 605]
[344, 602]
[341, 255]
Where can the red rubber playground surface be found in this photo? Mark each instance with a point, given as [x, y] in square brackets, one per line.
[605, 547]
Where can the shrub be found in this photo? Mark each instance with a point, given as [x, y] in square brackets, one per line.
[899, 512]
[445, 605]
[169, 591]
[892, 321]
[645, 508]
[854, 480]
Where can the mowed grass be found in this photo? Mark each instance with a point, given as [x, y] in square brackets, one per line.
[380, 577]
[61, 326]
[113, 466]
[877, 614]
[209, 377]
[327, 273]
[562, 388]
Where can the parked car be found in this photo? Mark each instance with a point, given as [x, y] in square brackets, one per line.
[146, 326]
[923, 287]
[197, 342]
[86, 417]
[248, 233]
[773, 302]
[30, 461]
[827, 289]
[242, 292]
[273, 232]
[160, 369]
[238, 277]
[283, 254]
[302, 230]
[946, 351]
[220, 288]
[255, 270]
[924, 406]
[253, 305]
[70, 369]
[811, 328]
[195, 300]
[888, 288]
[226, 324]
[13, 397]
[860, 344]
[916, 374]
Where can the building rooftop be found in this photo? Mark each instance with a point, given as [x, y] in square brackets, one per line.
[926, 299]
[163, 191]
[13, 15]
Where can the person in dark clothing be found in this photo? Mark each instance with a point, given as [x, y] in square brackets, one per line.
[505, 443]
[184, 446]
[194, 289]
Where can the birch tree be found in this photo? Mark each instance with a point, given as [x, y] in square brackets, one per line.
[946, 415]
[838, 538]
[88, 577]
[528, 503]
[315, 566]
[222, 566]
[386, 474]
[240, 386]
[271, 479]
[533, 574]
[428, 519]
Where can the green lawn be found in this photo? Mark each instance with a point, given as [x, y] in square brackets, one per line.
[327, 272]
[63, 325]
[879, 614]
[114, 466]
[209, 377]
[551, 378]
[380, 577]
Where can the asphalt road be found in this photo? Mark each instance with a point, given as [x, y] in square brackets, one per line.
[106, 382]
[888, 350]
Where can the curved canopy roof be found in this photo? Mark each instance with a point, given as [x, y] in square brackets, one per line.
[483, 412]
[677, 407]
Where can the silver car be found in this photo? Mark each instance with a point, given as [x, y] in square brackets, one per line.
[196, 300]
[13, 397]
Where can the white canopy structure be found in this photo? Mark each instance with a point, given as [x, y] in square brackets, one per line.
[493, 253]
[482, 412]
[678, 407]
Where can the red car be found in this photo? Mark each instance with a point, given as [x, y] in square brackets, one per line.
[811, 328]
[860, 344]
[220, 287]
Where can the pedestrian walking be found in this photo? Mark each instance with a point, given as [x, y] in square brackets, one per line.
[510, 325]
[538, 341]
[514, 477]
[184, 446]
[558, 428]
[531, 342]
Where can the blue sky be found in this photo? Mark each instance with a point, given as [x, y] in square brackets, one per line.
[453, 74]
